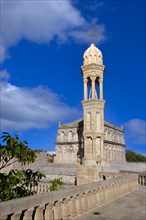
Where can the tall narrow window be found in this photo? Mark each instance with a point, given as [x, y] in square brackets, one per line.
[96, 89]
[89, 88]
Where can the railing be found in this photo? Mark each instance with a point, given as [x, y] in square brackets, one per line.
[141, 176]
[110, 175]
[142, 179]
[42, 187]
[68, 203]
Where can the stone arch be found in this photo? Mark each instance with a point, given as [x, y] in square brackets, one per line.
[89, 87]
[62, 136]
[90, 145]
[70, 136]
[118, 137]
[112, 135]
[106, 134]
[100, 59]
[104, 177]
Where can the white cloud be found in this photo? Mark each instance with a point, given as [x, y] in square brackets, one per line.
[27, 108]
[135, 130]
[4, 75]
[40, 21]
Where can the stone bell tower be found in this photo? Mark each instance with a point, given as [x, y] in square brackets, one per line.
[93, 116]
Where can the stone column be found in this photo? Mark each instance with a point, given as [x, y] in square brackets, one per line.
[84, 203]
[73, 211]
[78, 205]
[98, 198]
[90, 201]
[39, 213]
[93, 87]
[65, 209]
[102, 196]
[58, 210]
[85, 89]
[15, 216]
[106, 194]
[94, 198]
[28, 215]
[49, 212]
[101, 88]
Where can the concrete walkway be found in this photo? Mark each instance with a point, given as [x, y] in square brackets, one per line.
[130, 207]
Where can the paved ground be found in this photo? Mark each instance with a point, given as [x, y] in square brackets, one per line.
[130, 207]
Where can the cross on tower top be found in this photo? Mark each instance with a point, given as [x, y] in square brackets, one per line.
[92, 34]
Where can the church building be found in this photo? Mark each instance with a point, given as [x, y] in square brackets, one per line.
[91, 140]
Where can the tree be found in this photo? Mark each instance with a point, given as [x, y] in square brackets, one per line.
[56, 184]
[134, 157]
[17, 183]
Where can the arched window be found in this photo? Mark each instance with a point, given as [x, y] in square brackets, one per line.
[70, 136]
[89, 88]
[62, 136]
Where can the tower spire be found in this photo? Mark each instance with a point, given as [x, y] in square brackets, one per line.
[93, 111]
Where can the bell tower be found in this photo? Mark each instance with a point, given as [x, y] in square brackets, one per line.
[93, 105]
[93, 116]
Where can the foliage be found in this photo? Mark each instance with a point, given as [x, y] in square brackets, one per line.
[56, 184]
[17, 183]
[134, 157]
[14, 148]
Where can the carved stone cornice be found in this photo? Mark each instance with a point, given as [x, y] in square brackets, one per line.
[68, 143]
[100, 103]
[114, 143]
[93, 67]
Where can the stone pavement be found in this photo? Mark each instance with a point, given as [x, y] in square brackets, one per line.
[130, 207]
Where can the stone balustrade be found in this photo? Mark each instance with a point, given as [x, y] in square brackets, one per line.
[110, 175]
[141, 176]
[142, 179]
[68, 203]
[42, 187]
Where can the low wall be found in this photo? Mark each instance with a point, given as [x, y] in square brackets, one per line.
[42, 160]
[110, 175]
[68, 203]
[128, 166]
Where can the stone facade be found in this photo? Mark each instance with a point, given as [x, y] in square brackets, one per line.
[91, 143]
[70, 143]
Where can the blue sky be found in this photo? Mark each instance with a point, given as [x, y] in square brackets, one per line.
[41, 47]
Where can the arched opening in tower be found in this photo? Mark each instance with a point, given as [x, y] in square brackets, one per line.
[89, 88]
[97, 88]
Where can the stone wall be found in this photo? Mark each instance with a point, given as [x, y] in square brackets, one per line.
[41, 160]
[68, 203]
[70, 143]
[127, 166]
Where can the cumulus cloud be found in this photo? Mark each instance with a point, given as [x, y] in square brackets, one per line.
[136, 131]
[4, 75]
[27, 108]
[40, 21]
